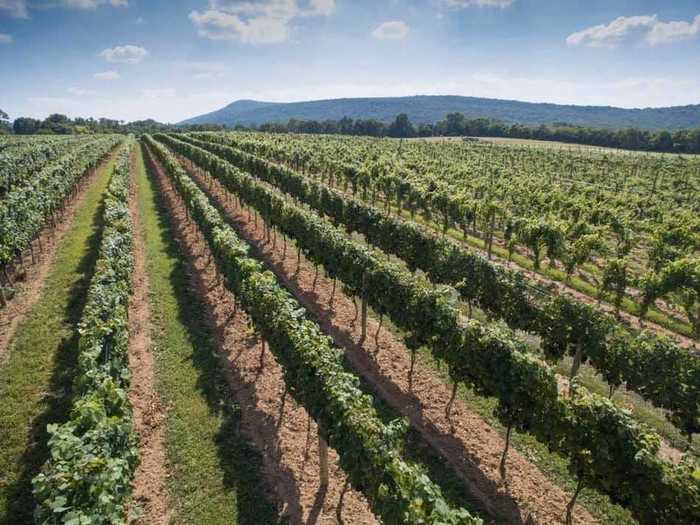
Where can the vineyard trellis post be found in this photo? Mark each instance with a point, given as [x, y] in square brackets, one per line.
[576, 364]
[364, 309]
[323, 460]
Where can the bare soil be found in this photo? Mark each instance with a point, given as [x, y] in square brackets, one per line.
[278, 427]
[471, 446]
[29, 277]
[150, 488]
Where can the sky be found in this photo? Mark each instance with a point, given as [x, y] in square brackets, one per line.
[174, 59]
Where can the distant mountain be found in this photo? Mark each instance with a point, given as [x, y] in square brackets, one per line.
[428, 109]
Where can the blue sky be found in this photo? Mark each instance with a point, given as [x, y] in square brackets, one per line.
[132, 59]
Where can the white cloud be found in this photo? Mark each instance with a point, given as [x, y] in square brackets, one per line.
[647, 28]
[663, 32]
[15, 8]
[127, 54]
[478, 3]
[217, 25]
[262, 22]
[107, 75]
[610, 35]
[5, 38]
[392, 30]
[21, 8]
[80, 92]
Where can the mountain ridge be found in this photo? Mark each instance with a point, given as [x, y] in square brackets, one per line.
[431, 108]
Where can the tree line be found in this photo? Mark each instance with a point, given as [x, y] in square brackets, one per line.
[58, 124]
[457, 125]
[453, 125]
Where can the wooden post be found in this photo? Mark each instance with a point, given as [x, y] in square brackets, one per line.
[448, 409]
[577, 362]
[376, 335]
[323, 460]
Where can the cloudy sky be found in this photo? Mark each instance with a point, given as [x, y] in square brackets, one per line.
[172, 59]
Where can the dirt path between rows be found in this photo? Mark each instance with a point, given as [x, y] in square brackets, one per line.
[554, 286]
[150, 488]
[281, 429]
[30, 283]
[471, 446]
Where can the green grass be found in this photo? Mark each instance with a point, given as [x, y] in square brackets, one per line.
[215, 472]
[35, 380]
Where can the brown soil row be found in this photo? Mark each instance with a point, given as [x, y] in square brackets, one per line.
[278, 427]
[150, 490]
[471, 446]
[29, 279]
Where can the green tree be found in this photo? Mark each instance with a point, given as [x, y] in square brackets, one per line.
[26, 126]
[402, 127]
[455, 124]
[57, 123]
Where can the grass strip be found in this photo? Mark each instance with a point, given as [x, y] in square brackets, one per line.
[215, 472]
[36, 379]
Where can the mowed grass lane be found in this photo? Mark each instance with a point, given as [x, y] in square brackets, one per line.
[214, 471]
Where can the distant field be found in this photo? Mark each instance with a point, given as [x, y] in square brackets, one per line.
[553, 144]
